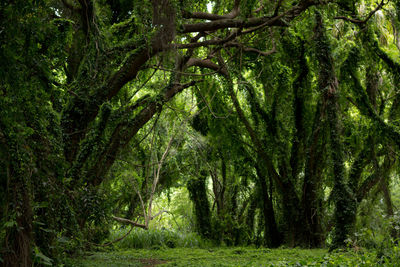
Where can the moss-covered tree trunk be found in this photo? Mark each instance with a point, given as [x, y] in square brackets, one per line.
[272, 237]
[251, 216]
[18, 239]
[344, 206]
[328, 84]
[312, 184]
[198, 195]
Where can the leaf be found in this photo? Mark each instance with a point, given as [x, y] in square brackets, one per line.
[10, 224]
[43, 258]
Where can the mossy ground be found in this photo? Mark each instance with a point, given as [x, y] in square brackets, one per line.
[227, 257]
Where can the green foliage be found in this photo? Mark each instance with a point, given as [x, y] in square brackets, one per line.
[265, 122]
[41, 259]
[238, 256]
[198, 194]
[156, 239]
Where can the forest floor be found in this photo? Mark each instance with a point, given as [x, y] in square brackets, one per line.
[235, 256]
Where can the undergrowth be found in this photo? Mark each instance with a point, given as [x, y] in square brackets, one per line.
[237, 256]
[156, 238]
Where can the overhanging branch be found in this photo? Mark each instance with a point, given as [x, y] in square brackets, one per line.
[251, 49]
[362, 22]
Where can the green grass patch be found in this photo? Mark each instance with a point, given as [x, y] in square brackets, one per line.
[231, 257]
[154, 238]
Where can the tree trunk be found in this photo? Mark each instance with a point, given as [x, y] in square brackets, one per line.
[18, 239]
[315, 162]
[284, 184]
[272, 237]
[250, 217]
[328, 84]
[389, 206]
[198, 194]
[344, 206]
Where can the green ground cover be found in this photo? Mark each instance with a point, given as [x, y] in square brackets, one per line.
[230, 257]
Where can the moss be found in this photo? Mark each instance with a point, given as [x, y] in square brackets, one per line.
[198, 194]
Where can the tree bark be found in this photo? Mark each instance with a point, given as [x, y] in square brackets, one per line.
[272, 237]
[198, 194]
[314, 165]
[328, 84]
[18, 239]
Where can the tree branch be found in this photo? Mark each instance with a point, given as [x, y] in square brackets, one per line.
[250, 22]
[127, 221]
[231, 23]
[206, 63]
[251, 49]
[362, 22]
[215, 41]
[124, 132]
[120, 238]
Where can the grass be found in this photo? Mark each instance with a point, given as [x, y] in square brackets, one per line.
[158, 247]
[154, 238]
[228, 257]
